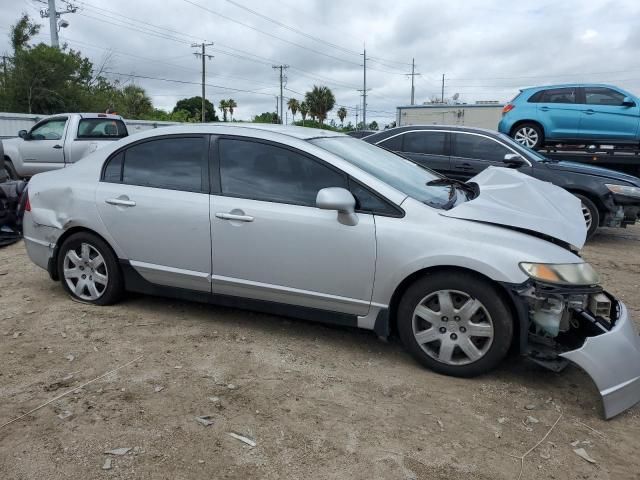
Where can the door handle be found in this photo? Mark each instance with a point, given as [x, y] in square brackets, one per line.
[121, 202]
[589, 112]
[233, 216]
[544, 109]
[464, 166]
[57, 147]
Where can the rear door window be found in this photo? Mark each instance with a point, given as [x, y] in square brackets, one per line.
[559, 95]
[477, 147]
[426, 143]
[174, 163]
[106, 128]
[603, 96]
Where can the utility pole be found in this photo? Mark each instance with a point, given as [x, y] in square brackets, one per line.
[52, 14]
[412, 75]
[442, 95]
[364, 89]
[282, 68]
[204, 56]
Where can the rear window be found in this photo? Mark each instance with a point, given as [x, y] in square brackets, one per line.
[107, 128]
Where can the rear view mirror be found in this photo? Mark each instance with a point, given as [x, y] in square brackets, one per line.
[23, 134]
[340, 199]
[628, 102]
[513, 160]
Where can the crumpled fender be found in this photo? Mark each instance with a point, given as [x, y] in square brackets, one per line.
[612, 360]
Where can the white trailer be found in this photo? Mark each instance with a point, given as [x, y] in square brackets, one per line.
[482, 115]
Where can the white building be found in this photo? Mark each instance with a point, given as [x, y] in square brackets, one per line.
[479, 114]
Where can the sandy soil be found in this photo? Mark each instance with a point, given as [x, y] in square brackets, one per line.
[320, 402]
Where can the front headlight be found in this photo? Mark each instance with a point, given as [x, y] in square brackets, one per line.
[624, 190]
[562, 273]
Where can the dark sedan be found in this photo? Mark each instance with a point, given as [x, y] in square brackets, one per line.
[609, 198]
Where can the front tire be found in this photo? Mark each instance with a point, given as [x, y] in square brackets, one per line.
[529, 134]
[455, 324]
[89, 270]
[591, 215]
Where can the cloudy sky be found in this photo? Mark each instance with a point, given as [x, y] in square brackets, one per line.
[486, 49]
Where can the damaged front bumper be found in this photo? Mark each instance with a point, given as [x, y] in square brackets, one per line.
[612, 360]
[605, 344]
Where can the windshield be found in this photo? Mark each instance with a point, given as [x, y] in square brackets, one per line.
[400, 173]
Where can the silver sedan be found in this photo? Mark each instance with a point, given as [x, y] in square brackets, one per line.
[318, 225]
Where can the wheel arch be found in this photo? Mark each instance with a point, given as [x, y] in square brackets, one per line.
[518, 321]
[522, 122]
[53, 261]
[594, 198]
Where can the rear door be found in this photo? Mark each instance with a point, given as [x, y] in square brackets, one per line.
[559, 112]
[605, 117]
[43, 150]
[154, 200]
[472, 152]
[429, 148]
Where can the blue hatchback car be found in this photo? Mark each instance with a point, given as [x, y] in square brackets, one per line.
[572, 113]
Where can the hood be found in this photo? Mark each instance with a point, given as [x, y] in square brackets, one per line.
[513, 199]
[589, 169]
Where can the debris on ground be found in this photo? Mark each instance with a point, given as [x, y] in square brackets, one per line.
[205, 420]
[107, 464]
[502, 420]
[158, 388]
[243, 439]
[231, 386]
[62, 383]
[531, 419]
[16, 334]
[214, 399]
[530, 406]
[65, 414]
[70, 357]
[118, 451]
[582, 453]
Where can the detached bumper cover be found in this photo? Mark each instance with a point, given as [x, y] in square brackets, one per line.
[612, 360]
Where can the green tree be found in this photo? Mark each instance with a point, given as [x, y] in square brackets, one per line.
[134, 103]
[231, 105]
[320, 101]
[193, 106]
[293, 105]
[266, 117]
[342, 114]
[373, 125]
[223, 106]
[22, 32]
[304, 111]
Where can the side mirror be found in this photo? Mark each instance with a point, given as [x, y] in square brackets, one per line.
[23, 134]
[340, 199]
[513, 160]
[628, 102]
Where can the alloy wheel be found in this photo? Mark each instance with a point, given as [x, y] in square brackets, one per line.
[588, 218]
[85, 272]
[452, 327]
[526, 136]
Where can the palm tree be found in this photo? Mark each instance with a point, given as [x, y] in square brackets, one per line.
[294, 106]
[342, 114]
[231, 104]
[320, 101]
[223, 106]
[304, 110]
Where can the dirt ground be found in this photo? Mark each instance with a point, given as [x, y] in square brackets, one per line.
[320, 402]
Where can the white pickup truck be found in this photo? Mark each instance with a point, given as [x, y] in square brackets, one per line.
[59, 140]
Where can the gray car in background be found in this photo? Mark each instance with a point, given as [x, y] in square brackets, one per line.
[318, 225]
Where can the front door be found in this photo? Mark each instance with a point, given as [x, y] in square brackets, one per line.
[42, 149]
[154, 201]
[605, 117]
[271, 243]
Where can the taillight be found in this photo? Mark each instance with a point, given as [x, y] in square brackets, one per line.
[27, 204]
[507, 108]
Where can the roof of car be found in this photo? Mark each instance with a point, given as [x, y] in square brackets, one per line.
[407, 128]
[565, 85]
[301, 133]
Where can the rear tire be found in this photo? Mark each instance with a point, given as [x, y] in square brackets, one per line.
[455, 323]
[529, 134]
[89, 270]
[591, 215]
